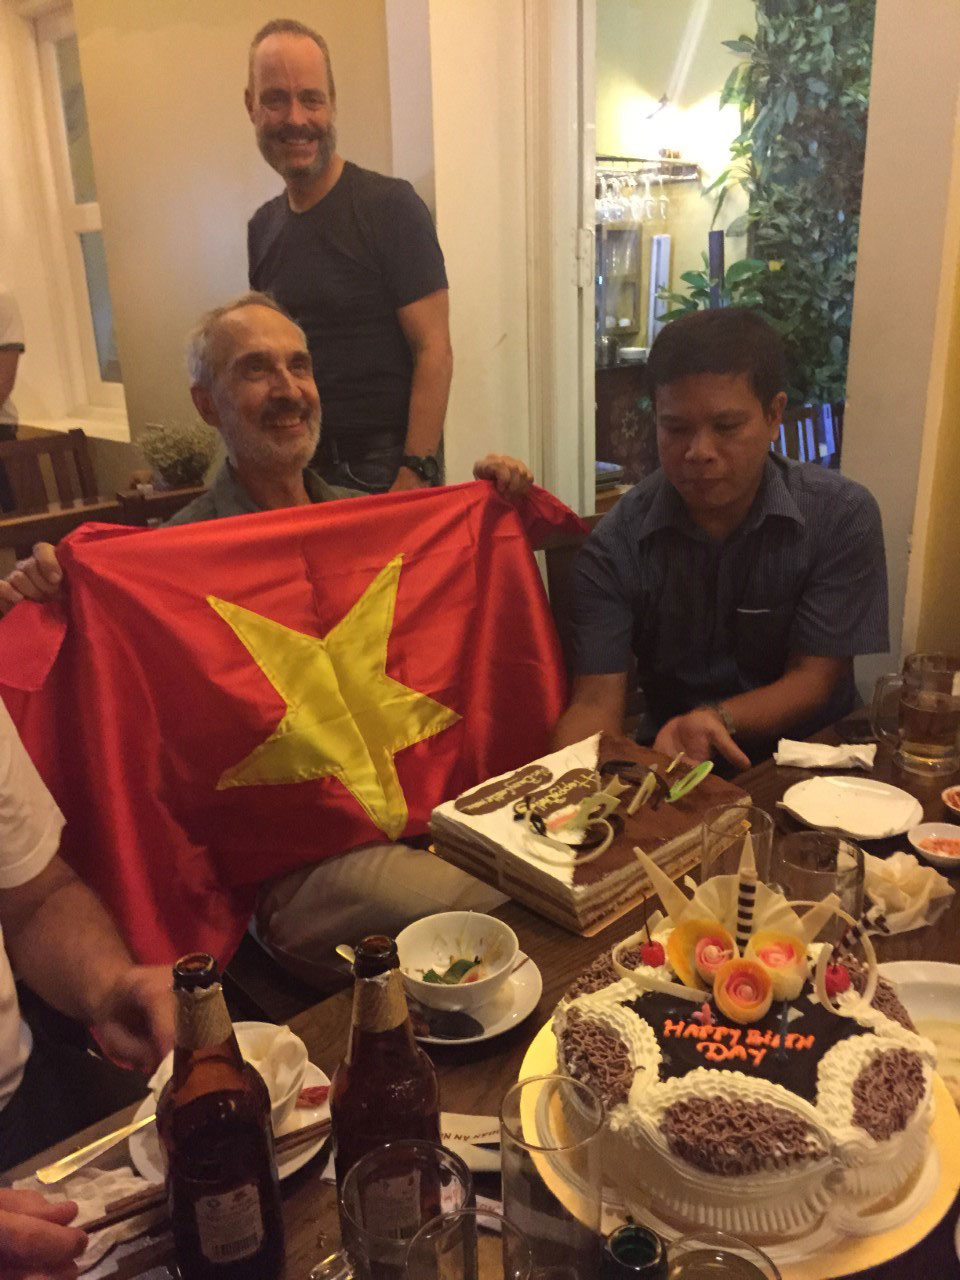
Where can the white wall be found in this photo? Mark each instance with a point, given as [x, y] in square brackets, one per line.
[477, 56]
[893, 376]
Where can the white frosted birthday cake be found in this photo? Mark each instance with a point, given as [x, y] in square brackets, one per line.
[559, 833]
[751, 1075]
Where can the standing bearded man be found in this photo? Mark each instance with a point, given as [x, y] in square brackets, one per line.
[353, 257]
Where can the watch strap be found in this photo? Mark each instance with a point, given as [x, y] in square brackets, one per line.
[427, 468]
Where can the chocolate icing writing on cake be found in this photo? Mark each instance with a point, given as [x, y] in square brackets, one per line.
[886, 1093]
[594, 1055]
[727, 1136]
[506, 791]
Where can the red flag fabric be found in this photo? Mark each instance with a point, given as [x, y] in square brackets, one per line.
[193, 699]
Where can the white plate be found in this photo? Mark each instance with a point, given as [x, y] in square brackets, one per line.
[927, 988]
[514, 1001]
[945, 830]
[145, 1144]
[859, 807]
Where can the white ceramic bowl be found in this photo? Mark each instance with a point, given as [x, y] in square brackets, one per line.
[951, 798]
[943, 830]
[279, 1055]
[436, 941]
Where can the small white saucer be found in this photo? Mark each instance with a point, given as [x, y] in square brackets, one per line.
[943, 830]
[145, 1143]
[515, 1000]
[859, 807]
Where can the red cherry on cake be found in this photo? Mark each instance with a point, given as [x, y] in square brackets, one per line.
[653, 954]
[836, 979]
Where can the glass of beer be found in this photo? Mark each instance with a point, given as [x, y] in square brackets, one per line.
[551, 1129]
[713, 1255]
[918, 713]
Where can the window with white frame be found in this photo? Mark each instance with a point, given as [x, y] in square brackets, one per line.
[77, 212]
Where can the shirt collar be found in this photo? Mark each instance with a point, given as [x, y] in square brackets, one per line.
[668, 511]
[230, 498]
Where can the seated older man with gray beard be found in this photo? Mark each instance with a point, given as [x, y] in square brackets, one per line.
[252, 380]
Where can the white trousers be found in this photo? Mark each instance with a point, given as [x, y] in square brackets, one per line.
[377, 888]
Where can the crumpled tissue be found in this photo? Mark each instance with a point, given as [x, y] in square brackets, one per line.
[909, 895]
[93, 1190]
[820, 755]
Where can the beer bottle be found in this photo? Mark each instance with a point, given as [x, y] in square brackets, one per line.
[213, 1118]
[385, 1088]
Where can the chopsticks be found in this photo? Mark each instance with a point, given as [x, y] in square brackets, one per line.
[155, 1196]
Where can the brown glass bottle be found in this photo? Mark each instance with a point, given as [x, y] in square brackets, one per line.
[385, 1088]
[213, 1118]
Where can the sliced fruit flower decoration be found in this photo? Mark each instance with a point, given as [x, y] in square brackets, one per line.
[697, 948]
[783, 956]
[742, 990]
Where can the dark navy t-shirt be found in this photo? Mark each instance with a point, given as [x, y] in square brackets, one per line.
[342, 269]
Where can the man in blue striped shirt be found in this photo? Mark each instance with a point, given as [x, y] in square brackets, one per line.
[743, 582]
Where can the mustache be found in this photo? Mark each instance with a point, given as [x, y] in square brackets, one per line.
[282, 408]
[290, 133]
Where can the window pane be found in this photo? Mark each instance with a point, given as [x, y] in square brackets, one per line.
[101, 308]
[75, 120]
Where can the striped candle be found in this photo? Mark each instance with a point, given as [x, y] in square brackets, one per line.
[746, 893]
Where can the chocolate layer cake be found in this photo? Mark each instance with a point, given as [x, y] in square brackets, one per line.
[480, 831]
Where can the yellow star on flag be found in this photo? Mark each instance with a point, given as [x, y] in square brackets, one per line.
[345, 717]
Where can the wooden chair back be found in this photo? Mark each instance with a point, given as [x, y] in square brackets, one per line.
[70, 465]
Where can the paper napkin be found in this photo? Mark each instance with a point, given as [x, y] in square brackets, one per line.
[819, 755]
[908, 894]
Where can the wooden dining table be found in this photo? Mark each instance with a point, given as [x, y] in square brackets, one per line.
[474, 1078]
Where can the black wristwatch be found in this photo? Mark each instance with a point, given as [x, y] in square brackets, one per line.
[428, 469]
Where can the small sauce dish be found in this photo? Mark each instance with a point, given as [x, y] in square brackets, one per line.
[932, 834]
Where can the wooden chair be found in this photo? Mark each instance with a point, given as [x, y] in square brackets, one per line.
[150, 508]
[45, 512]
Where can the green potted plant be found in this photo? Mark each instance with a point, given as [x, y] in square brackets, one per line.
[179, 455]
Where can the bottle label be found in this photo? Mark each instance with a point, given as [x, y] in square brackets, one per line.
[379, 1003]
[230, 1226]
[393, 1205]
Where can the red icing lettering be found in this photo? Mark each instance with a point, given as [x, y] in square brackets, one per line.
[671, 1028]
[755, 1037]
[693, 1032]
[758, 1056]
[712, 1051]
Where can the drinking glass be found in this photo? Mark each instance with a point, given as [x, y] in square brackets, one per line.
[468, 1245]
[918, 713]
[713, 1255]
[389, 1195]
[551, 1129]
[810, 864]
[723, 836]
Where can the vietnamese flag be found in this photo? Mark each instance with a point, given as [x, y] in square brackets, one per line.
[216, 703]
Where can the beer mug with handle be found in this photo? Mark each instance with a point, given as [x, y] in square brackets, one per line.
[918, 713]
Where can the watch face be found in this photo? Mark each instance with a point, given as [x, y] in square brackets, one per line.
[427, 469]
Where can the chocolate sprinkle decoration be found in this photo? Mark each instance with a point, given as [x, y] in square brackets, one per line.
[724, 1136]
[597, 1056]
[599, 973]
[887, 1092]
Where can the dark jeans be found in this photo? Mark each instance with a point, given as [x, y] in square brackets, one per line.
[371, 470]
[64, 1089]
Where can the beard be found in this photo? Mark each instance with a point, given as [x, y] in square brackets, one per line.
[272, 149]
[260, 449]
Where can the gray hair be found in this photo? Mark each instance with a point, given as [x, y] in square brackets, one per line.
[291, 27]
[200, 343]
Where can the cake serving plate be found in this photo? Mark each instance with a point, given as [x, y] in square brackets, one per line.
[834, 1250]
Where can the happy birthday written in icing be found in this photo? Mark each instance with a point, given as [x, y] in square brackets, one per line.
[719, 1043]
[580, 781]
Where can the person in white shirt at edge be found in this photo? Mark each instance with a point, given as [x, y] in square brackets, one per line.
[57, 936]
[252, 381]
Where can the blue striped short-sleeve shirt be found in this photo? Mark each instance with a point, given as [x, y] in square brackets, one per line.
[805, 574]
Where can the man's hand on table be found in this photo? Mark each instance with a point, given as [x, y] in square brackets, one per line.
[36, 1242]
[697, 735]
[134, 1020]
[36, 578]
